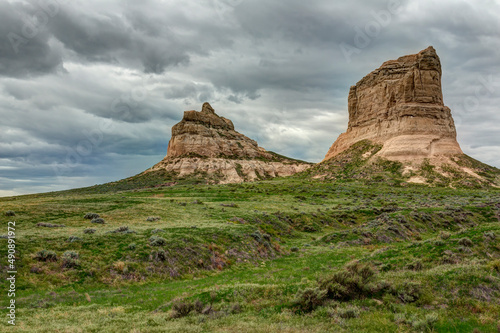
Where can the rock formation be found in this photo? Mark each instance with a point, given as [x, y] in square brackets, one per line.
[206, 134]
[400, 130]
[400, 105]
[206, 145]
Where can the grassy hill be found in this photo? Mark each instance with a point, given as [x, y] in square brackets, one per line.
[360, 163]
[284, 255]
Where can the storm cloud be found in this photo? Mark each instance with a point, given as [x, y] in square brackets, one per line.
[89, 90]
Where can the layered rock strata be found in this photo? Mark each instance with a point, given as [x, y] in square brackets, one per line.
[400, 105]
[204, 143]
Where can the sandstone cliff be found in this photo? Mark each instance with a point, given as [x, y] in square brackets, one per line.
[400, 129]
[400, 105]
[206, 145]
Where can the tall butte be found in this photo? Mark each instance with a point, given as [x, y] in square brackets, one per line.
[397, 113]
[206, 146]
[400, 105]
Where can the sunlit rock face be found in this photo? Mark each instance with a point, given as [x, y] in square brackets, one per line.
[205, 143]
[400, 105]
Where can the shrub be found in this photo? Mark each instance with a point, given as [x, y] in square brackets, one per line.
[98, 220]
[495, 265]
[122, 230]
[237, 219]
[50, 225]
[181, 308]
[415, 266]
[198, 306]
[490, 235]
[120, 266]
[161, 255]
[153, 218]
[155, 231]
[232, 205]
[70, 259]
[91, 216]
[449, 257]
[438, 242]
[72, 239]
[356, 280]
[351, 311]
[294, 249]
[465, 242]
[197, 202]
[444, 235]
[45, 255]
[426, 324]
[10, 213]
[131, 246]
[310, 298]
[408, 292]
[89, 231]
[157, 241]
[235, 308]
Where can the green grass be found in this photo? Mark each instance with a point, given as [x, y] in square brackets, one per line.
[229, 247]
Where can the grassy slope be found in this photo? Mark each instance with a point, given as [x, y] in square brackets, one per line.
[357, 163]
[314, 228]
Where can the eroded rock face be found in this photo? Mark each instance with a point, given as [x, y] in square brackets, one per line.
[400, 105]
[206, 134]
[204, 143]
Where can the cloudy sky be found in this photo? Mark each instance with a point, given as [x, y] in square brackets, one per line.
[89, 90]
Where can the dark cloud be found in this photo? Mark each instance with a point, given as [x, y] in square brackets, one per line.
[24, 49]
[90, 93]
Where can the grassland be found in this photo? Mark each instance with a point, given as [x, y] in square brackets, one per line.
[285, 255]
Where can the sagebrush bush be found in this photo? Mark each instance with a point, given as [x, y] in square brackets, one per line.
[234, 309]
[161, 255]
[350, 311]
[490, 235]
[122, 230]
[50, 225]
[232, 205]
[10, 213]
[70, 259]
[449, 257]
[294, 249]
[181, 308]
[72, 239]
[98, 220]
[157, 241]
[444, 235]
[465, 242]
[426, 324]
[91, 216]
[45, 255]
[153, 218]
[415, 266]
[310, 298]
[408, 292]
[438, 242]
[120, 266]
[89, 231]
[495, 265]
[355, 281]
[131, 246]
[199, 306]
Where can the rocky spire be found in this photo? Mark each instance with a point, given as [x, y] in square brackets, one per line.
[400, 105]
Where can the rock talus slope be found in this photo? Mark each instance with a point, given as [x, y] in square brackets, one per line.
[400, 105]
[207, 145]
